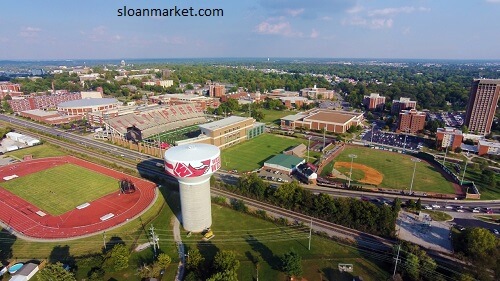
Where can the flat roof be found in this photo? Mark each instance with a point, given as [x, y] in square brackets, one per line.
[334, 117]
[292, 117]
[488, 81]
[88, 102]
[41, 113]
[489, 143]
[223, 122]
[283, 160]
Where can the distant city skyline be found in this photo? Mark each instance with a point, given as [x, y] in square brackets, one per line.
[413, 29]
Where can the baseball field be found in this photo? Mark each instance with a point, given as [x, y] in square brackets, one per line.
[60, 189]
[389, 170]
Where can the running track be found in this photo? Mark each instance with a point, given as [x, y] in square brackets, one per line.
[21, 216]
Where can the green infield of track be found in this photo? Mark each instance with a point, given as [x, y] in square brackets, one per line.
[60, 189]
[397, 170]
[251, 154]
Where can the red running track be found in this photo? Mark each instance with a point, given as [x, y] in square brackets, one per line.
[21, 216]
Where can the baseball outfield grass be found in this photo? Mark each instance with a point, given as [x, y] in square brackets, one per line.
[396, 169]
[60, 189]
[252, 153]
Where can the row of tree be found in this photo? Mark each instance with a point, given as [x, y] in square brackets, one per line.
[349, 212]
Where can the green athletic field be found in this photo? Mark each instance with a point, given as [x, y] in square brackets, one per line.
[60, 189]
[175, 135]
[251, 154]
[396, 168]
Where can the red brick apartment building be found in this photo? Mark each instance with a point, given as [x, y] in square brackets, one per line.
[483, 100]
[411, 121]
[374, 102]
[449, 137]
[402, 104]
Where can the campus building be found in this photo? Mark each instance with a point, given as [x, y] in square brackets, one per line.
[49, 117]
[374, 101]
[228, 131]
[42, 102]
[483, 100]
[332, 120]
[216, 90]
[411, 121]
[449, 137]
[284, 163]
[488, 147]
[83, 106]
[402, 104]
[317, 93]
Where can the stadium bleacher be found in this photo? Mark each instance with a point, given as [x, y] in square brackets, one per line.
[157, 120]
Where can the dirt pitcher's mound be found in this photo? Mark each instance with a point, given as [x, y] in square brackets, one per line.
[372, 176]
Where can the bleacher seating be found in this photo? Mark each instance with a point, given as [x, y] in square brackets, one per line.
[158, 119]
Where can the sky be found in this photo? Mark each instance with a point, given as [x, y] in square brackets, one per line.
[413, 29]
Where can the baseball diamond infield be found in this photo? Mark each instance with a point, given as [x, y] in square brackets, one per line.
[371, 176]
[103, 213]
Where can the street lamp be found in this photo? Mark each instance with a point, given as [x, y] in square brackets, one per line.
[371, 139]
[352, 156]
[463, 175]
[415, 161]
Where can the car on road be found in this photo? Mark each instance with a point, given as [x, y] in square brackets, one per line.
[435, 206]
[448, 207]
[489, 211]
[475, 210]
[460, 210]
[428, 207]
[495, 231]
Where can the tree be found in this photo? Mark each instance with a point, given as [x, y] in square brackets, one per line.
[118, 257]
[227, 275]
[55, 272]
[226, 261]
[478, 242]
[411, 267]
[418, 205]
[194, 260]
[291, 263]
[163, 260]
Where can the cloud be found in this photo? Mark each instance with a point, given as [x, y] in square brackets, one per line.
[276, 27]
[377, 18]
[314, 33]
[101, 34]
[29, 32]
[395, 11]
[294, 12]
[174, 40]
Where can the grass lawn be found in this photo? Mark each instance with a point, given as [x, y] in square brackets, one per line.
[249, 237]
[438, 216]
[252, 153]
[397, 170]
[474, 174]
[38, 151]
[60, 189]
[273, 116]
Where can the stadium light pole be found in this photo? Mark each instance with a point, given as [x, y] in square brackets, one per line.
[308, 144]
[463, 174]
[415, 161]
[352, 156]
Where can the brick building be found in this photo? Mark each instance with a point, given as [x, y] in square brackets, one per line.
[42, 102]
[411, 121]
[317, 119]
[483, 101]
[402, 104]
[374, 102]
[449, 137]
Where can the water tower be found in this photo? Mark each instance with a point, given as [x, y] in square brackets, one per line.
[192, 165]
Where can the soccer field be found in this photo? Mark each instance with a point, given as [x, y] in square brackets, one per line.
[397, 170]
[251, 154]
[60, 189]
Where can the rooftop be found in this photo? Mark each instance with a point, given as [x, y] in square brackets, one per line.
[335, 117]
[489, 143]
[450, 130]
[283, 160]
[223, 122]
[88, 102]
[41, 113]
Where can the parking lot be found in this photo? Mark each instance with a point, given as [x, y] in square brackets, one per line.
[451, 119]
[397, 140]
[274, 175]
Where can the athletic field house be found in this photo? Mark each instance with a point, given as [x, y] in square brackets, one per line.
[66, 197]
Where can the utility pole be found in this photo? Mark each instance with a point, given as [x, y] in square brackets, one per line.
[104, 239]
[397, 259]
[308, 144]
[154, 238]
[324, 138]
[310, 233]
